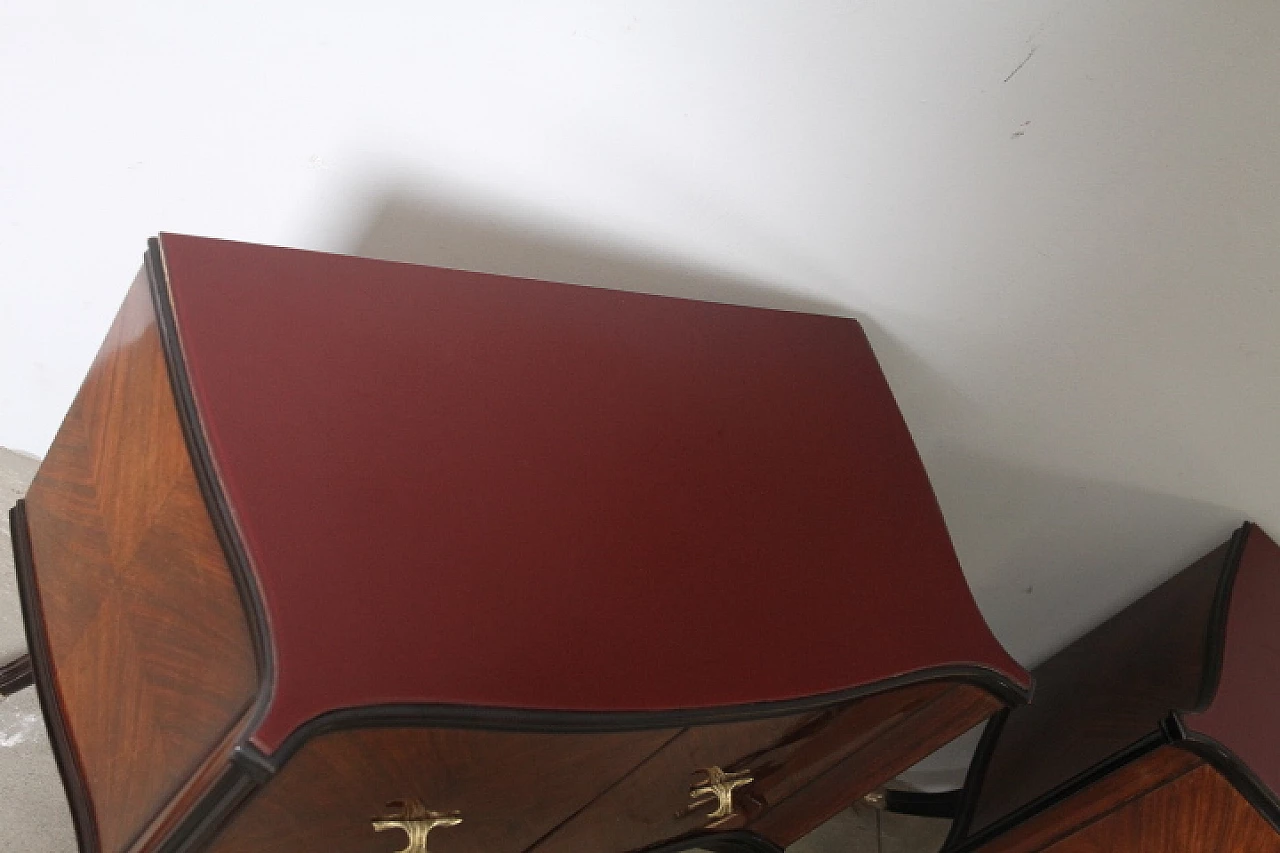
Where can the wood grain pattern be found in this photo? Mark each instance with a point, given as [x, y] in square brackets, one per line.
[651, 804]
[511, 788]
[150, 648]
[565, 793]
[893, 746]
[837, 734]
[1199, 812]
[1134, 780]
[1105, 692]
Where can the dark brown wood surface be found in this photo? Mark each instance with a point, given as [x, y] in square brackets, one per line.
[1125, 785]
[1199, 812]
[510, 788]
[1105, 692]
[149, 646]
[651, 804]
[566, 793]
[882, 752]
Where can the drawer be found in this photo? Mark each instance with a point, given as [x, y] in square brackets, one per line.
[787, 774]
[509, 789]
[656, 801]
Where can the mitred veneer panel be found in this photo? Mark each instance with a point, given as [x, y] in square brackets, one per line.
[1199, 812]
[1116, 790]
[133, 607]
[682, 504]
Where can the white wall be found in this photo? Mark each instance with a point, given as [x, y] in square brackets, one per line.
[1060, 220]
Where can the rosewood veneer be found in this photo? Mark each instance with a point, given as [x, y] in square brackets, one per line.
[339, 554]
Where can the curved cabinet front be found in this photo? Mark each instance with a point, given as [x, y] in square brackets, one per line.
[777, 777]
[340, 554]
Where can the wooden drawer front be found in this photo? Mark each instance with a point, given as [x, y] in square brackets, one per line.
[510, 789]
[652, 804]
[803, 769]
[882, 736]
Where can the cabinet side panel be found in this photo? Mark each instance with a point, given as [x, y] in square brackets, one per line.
[1116, 790]
[149, 648]
[1199, 812]
[1242, 717]
[1105, 692]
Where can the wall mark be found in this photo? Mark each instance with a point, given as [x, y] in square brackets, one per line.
[1022, 63]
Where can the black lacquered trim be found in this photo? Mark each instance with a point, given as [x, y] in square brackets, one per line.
[1216, 645]
[588, 722]
[1171, 730]
[64, 754]
[200, 825]
[1073, 786]
[975, 778]
[1226, 762]
[207, 479]
[238, 782]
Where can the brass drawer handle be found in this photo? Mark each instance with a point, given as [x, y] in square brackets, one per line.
[416, 821]
[717, 787]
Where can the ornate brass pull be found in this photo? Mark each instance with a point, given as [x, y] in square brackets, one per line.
[717, 787]
[416, 821]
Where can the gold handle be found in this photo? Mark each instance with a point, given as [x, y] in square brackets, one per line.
[716, 786]
[416, 821]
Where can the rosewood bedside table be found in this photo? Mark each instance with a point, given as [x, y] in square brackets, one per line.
[339, 554]
[1155, 732]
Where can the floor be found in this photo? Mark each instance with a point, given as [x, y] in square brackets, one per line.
[33, 810]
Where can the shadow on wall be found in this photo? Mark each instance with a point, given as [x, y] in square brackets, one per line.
[1042, 549]
[1039, 548]
[455, 234]
[1045, 547]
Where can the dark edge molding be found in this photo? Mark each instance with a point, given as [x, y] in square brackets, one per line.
[64, 754]
[1237, 773]
[250, 768]
[1071, 787]
[197, 828]
[736, 841]
[234, 785]
[16, 675]
[594, 722]
[1171, 731]
[974, 779]
[207, 478]
[1216, 644]
[943, 804]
